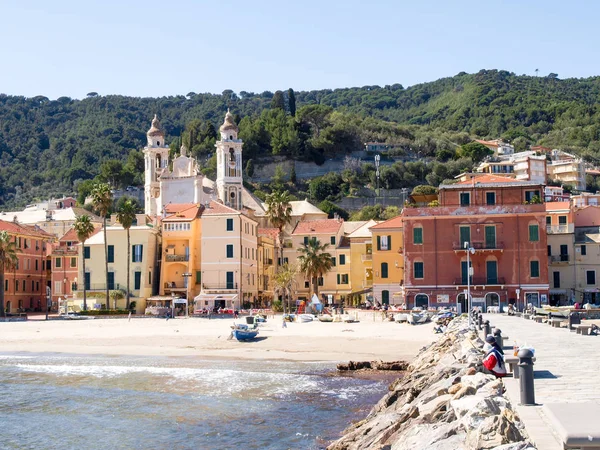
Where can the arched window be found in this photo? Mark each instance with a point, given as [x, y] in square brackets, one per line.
[384, 270]
[492, 299]
[422, 301]
[231, 137]
[231, 155]
[158, 161]
[158, 143]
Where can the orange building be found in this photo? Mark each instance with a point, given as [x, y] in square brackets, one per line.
[64, 262]
[25, 286]
[507, 233]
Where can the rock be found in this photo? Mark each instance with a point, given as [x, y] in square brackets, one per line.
[438, 437]
[516, 446]
[477, 380]
[454, 388]
[464, 391]
[434, 405]
[471, 371]
[392, 365]
[492, 388]
[494, 431]
[442, 392]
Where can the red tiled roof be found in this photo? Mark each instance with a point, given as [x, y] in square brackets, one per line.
[269, 232]
[395, 222]
[216, 208]
[488, 143]
[28, 230]
[173, 208]
[488, 178]
[183, 211]
[70, 235]
[539, 148]
[324, 226]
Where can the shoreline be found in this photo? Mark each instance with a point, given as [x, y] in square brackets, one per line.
[367, 340]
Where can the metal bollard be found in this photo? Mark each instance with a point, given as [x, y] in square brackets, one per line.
[486, 329]
[526, 377]
[499, 338]
[479, 320]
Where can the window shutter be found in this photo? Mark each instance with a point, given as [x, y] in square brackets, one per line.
[378, 242]
[338, 278]
[141, 253]
[133, 253]
[389, 242]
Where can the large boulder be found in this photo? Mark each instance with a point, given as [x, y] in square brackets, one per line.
[494, 431]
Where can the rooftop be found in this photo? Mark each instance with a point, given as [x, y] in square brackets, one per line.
[363, 231]
[324, 226]
[216, 209]
[395, 222]
[18, 228]
[183, 212]
[269, 232]
[489, 180]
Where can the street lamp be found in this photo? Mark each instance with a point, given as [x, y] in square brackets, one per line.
[470, 251]
[377, 159]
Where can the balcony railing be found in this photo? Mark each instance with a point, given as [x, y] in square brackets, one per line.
[480, 281]
[479, 245]
[366, 257]
[173, 258]
[102, 287]
[559, 258]
[219, 286]
[559, 229]
[171, 285]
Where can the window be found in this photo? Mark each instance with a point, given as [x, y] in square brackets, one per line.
[492, 272]
[562, 220]
[111, 253]
[37, 266]
[549, 250]
[137, 253]
[332, 240]
[384, 270]
[16, 285]
[490, 236]
[548, 220]
[530, 194]
[230, 250]
[490, 198]
[342, 278]
[320, 281]
[583, 250]
[149, 277]
[342, 260]
[418, 269]
[333, 261]
[463, 272]
[305, 240]
[111, 281]
[590, 276]
[306, 284]
[385, 297]
[417, 235]
[465, 235]
[24, 286]
[58, 263]
[556, 276]
[58, 287]
[465, 199]
[32, 286]
[87, 280]
[137, 280]
[534, 233]
[230, 284]
[5, 285]
[564, 253]
[198, 277]
[534, 269]
[384, 243]
[43, 265]
[86, 253]
[73, 262]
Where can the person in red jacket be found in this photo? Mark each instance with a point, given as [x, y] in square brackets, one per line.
[494, 357]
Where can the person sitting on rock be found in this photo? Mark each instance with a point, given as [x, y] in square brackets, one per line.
[494, 357]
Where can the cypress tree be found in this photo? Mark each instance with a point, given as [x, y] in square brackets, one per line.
[292, 102]
[278, 101]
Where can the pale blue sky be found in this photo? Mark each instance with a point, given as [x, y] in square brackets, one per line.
[152, 48]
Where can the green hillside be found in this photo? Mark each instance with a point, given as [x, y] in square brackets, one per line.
[47, 147]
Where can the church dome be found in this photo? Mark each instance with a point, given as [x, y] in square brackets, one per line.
[156, 129]
[228, 124]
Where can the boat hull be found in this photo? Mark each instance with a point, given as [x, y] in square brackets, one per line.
[245, 335]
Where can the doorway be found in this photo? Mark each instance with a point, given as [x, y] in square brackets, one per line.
[422, 301]
[461, 300]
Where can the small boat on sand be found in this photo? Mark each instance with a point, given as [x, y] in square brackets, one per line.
[557, 311]
[303, 318]
[400, 317]
[325, 318]
[415, 318]
[243, 332]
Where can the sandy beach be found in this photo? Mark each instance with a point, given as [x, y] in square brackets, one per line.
[369, 339]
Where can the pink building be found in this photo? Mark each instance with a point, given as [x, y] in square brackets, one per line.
[64, 262]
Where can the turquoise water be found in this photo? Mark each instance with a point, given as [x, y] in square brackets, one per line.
[123, 402]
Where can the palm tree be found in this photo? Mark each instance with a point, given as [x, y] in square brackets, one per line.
[102, 200]
[8, 260]
[279, 212]
[126, 216]
[314, 261]
[284, 278]
[84, 228]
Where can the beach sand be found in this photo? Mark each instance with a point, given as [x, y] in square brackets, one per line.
[369, 339]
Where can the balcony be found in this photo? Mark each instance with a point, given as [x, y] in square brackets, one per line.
[102, 287]
[268, 261]
[219, 287]
[480, 281]
[560, 229]
[367, 257]
[479, 245]
[176, 258]
[171, 286]
[558, 259]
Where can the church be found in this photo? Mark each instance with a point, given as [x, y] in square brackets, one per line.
[182, 182]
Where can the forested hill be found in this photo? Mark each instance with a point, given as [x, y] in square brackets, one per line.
[48, 146]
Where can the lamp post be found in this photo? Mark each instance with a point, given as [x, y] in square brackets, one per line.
[517, 291]
[470, 251]
[377, 159]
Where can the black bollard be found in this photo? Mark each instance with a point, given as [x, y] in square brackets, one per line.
[486, 329]
[498, 337]
[479, 320]
[526, 377]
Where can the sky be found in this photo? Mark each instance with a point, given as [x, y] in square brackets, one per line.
[151, 48]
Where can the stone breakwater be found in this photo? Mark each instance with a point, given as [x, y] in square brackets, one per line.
[445, 401]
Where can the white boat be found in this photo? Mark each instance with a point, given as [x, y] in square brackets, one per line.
[75, 316]
[303, 318]
[325, 318]
[417, 317]
[401, 317]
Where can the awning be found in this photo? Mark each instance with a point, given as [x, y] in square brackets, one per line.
[213, 297]
[159, 298]
[364, 291]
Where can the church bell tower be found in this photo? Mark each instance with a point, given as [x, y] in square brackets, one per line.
[229, 164]
[156, 159]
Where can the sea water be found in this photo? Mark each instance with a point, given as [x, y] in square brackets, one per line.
[125, 402]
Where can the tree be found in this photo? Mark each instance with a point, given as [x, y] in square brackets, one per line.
[284, 278]
[84, 228]
[126, 217]
[293, 177]
[292, 102]
[424, 189]
[475, 151]
[278, 178]
[250, 168]
[278, 102]
[8, 260]
[279, 212]
[314, 261]
[111, 171]
[331, 209]
[102, 200]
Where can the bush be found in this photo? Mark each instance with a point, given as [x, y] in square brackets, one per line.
[104, 312]
[277, 306]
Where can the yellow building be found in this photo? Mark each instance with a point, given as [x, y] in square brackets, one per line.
[180, 262]
[388, 262]
[361, 262]
[229, 259]
[144, 240]
[267, 255]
